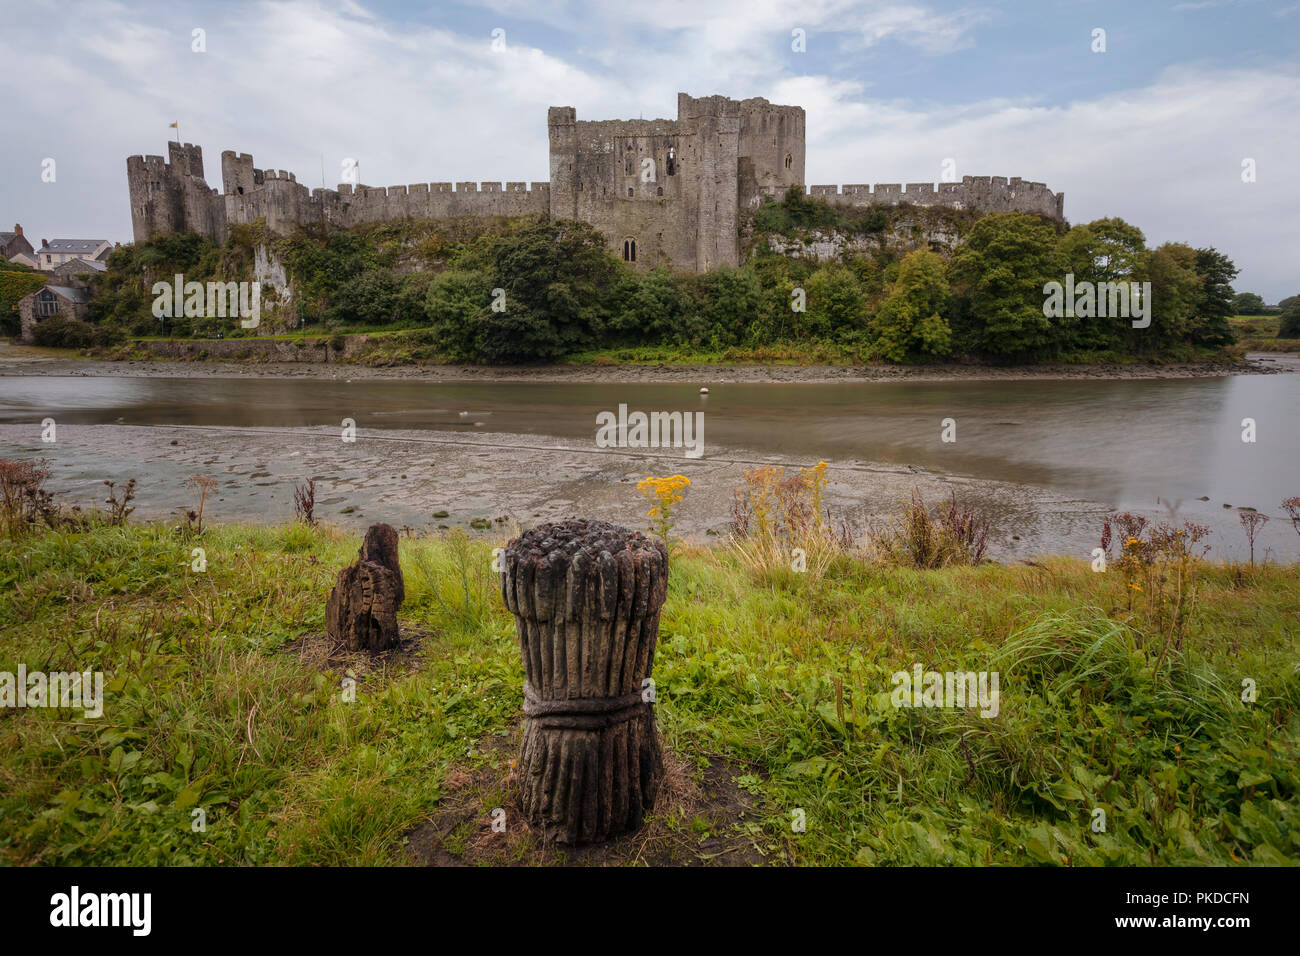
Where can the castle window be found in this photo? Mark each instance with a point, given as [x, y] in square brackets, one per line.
[627, 166]
[659, 191]
[629, 250]
[789, 161]
[629, 192]
[672, 162]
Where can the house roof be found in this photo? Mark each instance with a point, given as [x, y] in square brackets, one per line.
[68, 292]
[6, 238]
[75, 247]
[92, 265]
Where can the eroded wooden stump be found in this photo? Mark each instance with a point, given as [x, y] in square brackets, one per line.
[586, 596]
[362, 607]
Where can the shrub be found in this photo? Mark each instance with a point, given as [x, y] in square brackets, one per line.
[16, 282]
[1289, 325]
[1160, 563]
[949, 535]
[910, 322]
[62, 332]
[21, 493]
[780, 528]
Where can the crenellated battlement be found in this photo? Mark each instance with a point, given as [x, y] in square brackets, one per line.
[170, 195]
[662, 191]
[978, 193]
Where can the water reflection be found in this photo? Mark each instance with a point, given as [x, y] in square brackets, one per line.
[1125, 444]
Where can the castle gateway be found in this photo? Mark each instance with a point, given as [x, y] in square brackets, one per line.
[663, 192]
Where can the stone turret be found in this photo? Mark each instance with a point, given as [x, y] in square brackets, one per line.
[663, 192]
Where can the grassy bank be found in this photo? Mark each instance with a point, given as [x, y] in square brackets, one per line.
[1258, 333]
[210, 705]
[418, 347]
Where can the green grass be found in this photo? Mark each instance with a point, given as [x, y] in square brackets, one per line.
[1258, 333]
[206, 709]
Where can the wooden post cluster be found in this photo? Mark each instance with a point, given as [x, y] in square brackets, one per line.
[362, 607]
[586, 597]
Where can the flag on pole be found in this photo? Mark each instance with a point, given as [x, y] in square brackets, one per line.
[175, 126]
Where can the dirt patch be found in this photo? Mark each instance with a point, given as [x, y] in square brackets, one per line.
[701, 818]
[321, 652]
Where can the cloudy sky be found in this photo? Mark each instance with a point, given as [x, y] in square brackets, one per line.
[1155, 129]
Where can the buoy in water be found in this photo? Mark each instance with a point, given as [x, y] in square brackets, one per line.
[704, 391]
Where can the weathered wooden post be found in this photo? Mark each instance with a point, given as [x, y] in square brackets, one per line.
[362, 607]
[586, 597]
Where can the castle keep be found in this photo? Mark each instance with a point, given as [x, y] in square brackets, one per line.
[663, 192]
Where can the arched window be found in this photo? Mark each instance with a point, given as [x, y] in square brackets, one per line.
[629, 192]
[629, 250]
[627, 166]
[46, 304]
[659, 191]
[789, 161]
[672, 161]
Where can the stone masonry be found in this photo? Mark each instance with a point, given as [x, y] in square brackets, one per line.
[663, 192]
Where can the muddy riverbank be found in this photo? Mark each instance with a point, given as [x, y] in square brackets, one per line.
[18, 360]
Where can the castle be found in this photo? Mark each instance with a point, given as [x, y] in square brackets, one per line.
[663, 192]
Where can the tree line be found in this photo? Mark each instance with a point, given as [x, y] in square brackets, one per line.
[537, 289]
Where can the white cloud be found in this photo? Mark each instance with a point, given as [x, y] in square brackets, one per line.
[1166, 157]
[304, 80]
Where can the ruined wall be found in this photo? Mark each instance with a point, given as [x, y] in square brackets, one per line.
[712, 171]
[597, 177]
[286, 204]
[172, 196]
[674, 187]
[347, 206]
[771, 150]
[169, 196]
[979, 193]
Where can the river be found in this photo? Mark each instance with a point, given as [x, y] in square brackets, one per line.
[1046, 457]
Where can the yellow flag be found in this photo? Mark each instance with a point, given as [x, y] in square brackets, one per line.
[175, 125]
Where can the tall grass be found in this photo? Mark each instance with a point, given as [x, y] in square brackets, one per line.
[209, 707]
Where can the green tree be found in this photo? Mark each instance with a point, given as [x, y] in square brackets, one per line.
[1000, 273]
[732, 301]
[1105, 250]
[835, 303]
[555, 277]
[370, 299]
[910, 321]
[653, 308]
[1176, 293]
[1289, 327]
[456, 303]
[1247, 303]
[1217, 272]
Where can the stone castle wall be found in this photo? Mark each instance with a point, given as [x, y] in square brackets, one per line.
[663, 192]
[251, 193]
[980, 193]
